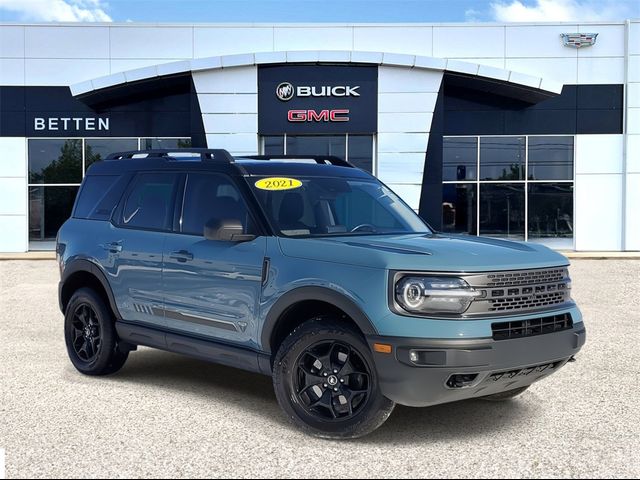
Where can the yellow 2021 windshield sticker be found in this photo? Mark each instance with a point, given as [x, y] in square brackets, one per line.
[278, 183]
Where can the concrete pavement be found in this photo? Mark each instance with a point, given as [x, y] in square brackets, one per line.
[164, 415]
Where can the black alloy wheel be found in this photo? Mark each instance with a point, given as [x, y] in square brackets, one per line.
[332, 381]
[325, 380]
[87, 335]
[90, 334]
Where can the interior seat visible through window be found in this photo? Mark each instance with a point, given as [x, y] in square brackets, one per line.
[291, 212]
[211, 198]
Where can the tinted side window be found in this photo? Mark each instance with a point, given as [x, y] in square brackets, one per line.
[212, 197]
[99, 196]
[150, 202]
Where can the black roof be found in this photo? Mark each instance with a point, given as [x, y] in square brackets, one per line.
[217, 160]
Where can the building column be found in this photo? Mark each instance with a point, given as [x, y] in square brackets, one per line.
[598, 186]
[14, 218]
[406, 102]
[228, 100]
[632, 163]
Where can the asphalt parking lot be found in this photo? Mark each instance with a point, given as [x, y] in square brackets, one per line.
[164, 415]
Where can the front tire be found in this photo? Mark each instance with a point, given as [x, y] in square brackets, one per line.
[325, 381]
[90, 335]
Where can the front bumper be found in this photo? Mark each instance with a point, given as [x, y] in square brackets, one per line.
[499, 365]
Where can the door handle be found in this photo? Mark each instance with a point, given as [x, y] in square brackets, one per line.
[113, 247]
[181, 256]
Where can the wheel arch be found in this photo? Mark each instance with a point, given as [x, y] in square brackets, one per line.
[84, 273]
[278, 318]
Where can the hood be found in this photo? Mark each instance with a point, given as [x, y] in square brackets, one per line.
[420, 252]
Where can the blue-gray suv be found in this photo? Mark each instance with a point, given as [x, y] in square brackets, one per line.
[313, 272]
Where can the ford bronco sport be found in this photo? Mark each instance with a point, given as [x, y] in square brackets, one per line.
[313, 272]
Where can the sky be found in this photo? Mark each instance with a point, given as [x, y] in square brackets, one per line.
[355, 11]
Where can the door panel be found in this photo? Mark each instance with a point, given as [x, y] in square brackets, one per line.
[133, 261]
[217, 293]
[134, 247]
[213, 288]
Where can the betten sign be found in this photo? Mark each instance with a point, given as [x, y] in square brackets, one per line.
[317, 99]
[75, 124]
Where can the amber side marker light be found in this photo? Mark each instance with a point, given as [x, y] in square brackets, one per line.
[382, 348]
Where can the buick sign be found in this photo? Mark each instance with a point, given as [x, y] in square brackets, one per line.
[285, 91]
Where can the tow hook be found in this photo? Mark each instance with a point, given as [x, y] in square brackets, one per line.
[572, 359]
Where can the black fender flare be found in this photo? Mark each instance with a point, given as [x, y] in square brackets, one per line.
[86, 266]
[322, 294]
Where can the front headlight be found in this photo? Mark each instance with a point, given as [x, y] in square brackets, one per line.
[434, 294]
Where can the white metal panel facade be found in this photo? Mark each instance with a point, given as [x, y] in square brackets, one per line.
[13, 195]
[66, 54]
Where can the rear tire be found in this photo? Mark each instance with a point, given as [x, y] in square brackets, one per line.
[325, 381]
[90, 335]
[504, 396]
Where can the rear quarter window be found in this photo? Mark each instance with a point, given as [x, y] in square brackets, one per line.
[99, 195]
[149, 202]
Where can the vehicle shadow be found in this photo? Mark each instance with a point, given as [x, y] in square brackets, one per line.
[193, 377]
[254, 393]
[460, 420]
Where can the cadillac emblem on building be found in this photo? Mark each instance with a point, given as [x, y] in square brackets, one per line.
[579, 40]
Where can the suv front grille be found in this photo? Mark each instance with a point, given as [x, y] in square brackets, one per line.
[541, 300]
[508, 279]
[519, 291]
[532, 328]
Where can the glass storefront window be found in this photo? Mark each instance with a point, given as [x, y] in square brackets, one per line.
[56, 171]
[550, 158]
[49, 208]
[361, 151]
[550, 210]
[459, 209]
[502, 158]
[274, 145]
[502, 210]
[96, 149]
[357, 149]
[524, 190]
[55, 161]
[157, 143]
[460, 159]
[317, 145]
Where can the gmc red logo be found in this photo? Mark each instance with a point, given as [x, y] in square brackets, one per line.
[341, 115]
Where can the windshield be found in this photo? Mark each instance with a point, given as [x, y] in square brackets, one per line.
[323, 206]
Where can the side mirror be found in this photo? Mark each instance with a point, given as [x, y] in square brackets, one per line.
[230, 230]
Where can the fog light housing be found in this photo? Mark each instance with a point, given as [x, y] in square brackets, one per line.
[461, 380]
[425, 358]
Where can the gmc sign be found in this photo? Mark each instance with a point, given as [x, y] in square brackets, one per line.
[339, 115]
[317, 99]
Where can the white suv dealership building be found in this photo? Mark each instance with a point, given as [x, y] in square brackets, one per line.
[520, 131]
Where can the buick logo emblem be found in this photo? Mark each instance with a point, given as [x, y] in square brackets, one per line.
[285, 91]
